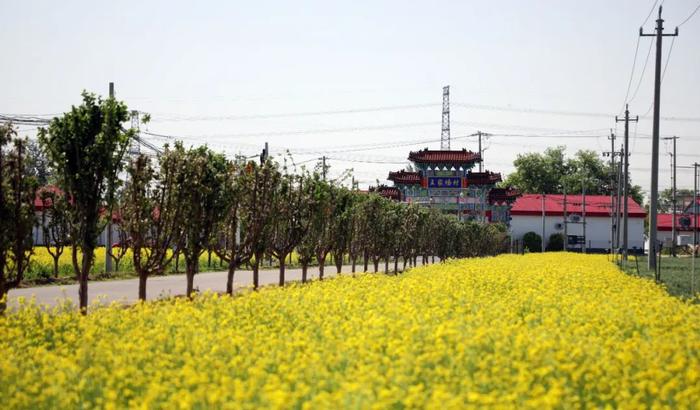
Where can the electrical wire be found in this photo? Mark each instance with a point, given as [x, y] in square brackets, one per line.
[175, 117]
[644, 70]
[690, 16]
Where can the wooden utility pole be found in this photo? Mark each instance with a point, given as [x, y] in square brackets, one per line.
[583, 213]
[566, 224]
[695, 227]
[626, 177]
[653, 203]
[543, 222]
[613, 184]
[673, 216]
[108, 240]
[481, 159]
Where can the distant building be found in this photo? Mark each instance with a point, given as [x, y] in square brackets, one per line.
[444, 180]
[687, 222]
[527, 217]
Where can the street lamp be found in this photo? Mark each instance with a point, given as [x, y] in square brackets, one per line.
[459, 203]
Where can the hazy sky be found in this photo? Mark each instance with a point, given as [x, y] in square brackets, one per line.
[203, 69]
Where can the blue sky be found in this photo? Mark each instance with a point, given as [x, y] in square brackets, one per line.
[190, 64]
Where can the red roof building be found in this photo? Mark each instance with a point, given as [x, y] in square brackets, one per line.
[596, 205]
[684, 223]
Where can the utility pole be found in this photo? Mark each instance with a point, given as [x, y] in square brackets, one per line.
[613, 183]
[481, 162]
[108, 240]
[583, 212]
[626, 177]
[543, 222]
[618, 218]
[566, 224]
[445, 136]
[673, 177]
[695, 227]
[324, 167]
[264, 154]
[653, 206]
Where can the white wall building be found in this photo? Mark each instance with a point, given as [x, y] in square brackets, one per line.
[527, 216]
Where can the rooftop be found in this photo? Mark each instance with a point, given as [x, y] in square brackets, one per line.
[444, 157]
[596, 205]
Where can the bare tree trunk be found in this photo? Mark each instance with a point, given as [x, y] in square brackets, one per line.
[229, 277]
[282, 269]
[88, 254]
[256, 272]
[191, 270]
[3, 293]
[376, 264]
[55, 267]
[304, 269]
[256, 275]
[142, 285]
[321, 265]
[405, 260]
[433, 259]
[339, 264]
[366, 261]
[386, 265]
[354, 262]
[396, 265]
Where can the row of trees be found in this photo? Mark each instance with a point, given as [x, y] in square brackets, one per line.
[189, 201]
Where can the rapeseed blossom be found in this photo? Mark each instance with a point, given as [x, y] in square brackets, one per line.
[537, 331]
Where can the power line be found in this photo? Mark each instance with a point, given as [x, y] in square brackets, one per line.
[177, 117]
[644, 70]
[690, 16]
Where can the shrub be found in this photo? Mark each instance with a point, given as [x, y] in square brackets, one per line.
[532, 242]
[556, 242]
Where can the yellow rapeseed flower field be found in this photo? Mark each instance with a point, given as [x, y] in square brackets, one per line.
[537, 331]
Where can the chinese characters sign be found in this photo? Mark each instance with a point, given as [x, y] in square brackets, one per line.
[444, 182]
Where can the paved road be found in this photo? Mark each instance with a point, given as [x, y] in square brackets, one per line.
[160, 286]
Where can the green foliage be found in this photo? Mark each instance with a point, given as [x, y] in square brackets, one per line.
[17, 218]
[556, 242]
[85, 147]
[532, 242]
[551, 172]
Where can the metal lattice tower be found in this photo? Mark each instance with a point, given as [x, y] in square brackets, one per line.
[445, 136]
[135, 146]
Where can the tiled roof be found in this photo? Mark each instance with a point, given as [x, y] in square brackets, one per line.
[404, 177]
[483, 178]
[596, 205]
[444, 157]
[664, 222]
[387, 192]
[502, 195]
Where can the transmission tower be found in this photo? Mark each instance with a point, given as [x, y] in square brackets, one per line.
[445, 136]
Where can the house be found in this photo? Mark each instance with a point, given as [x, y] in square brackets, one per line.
[591, 223]
[687, 221]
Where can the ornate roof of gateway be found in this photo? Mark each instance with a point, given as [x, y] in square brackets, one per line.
[483, 178]
[501, 195]
[387, 192]
[404, 177]
[444, 156]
